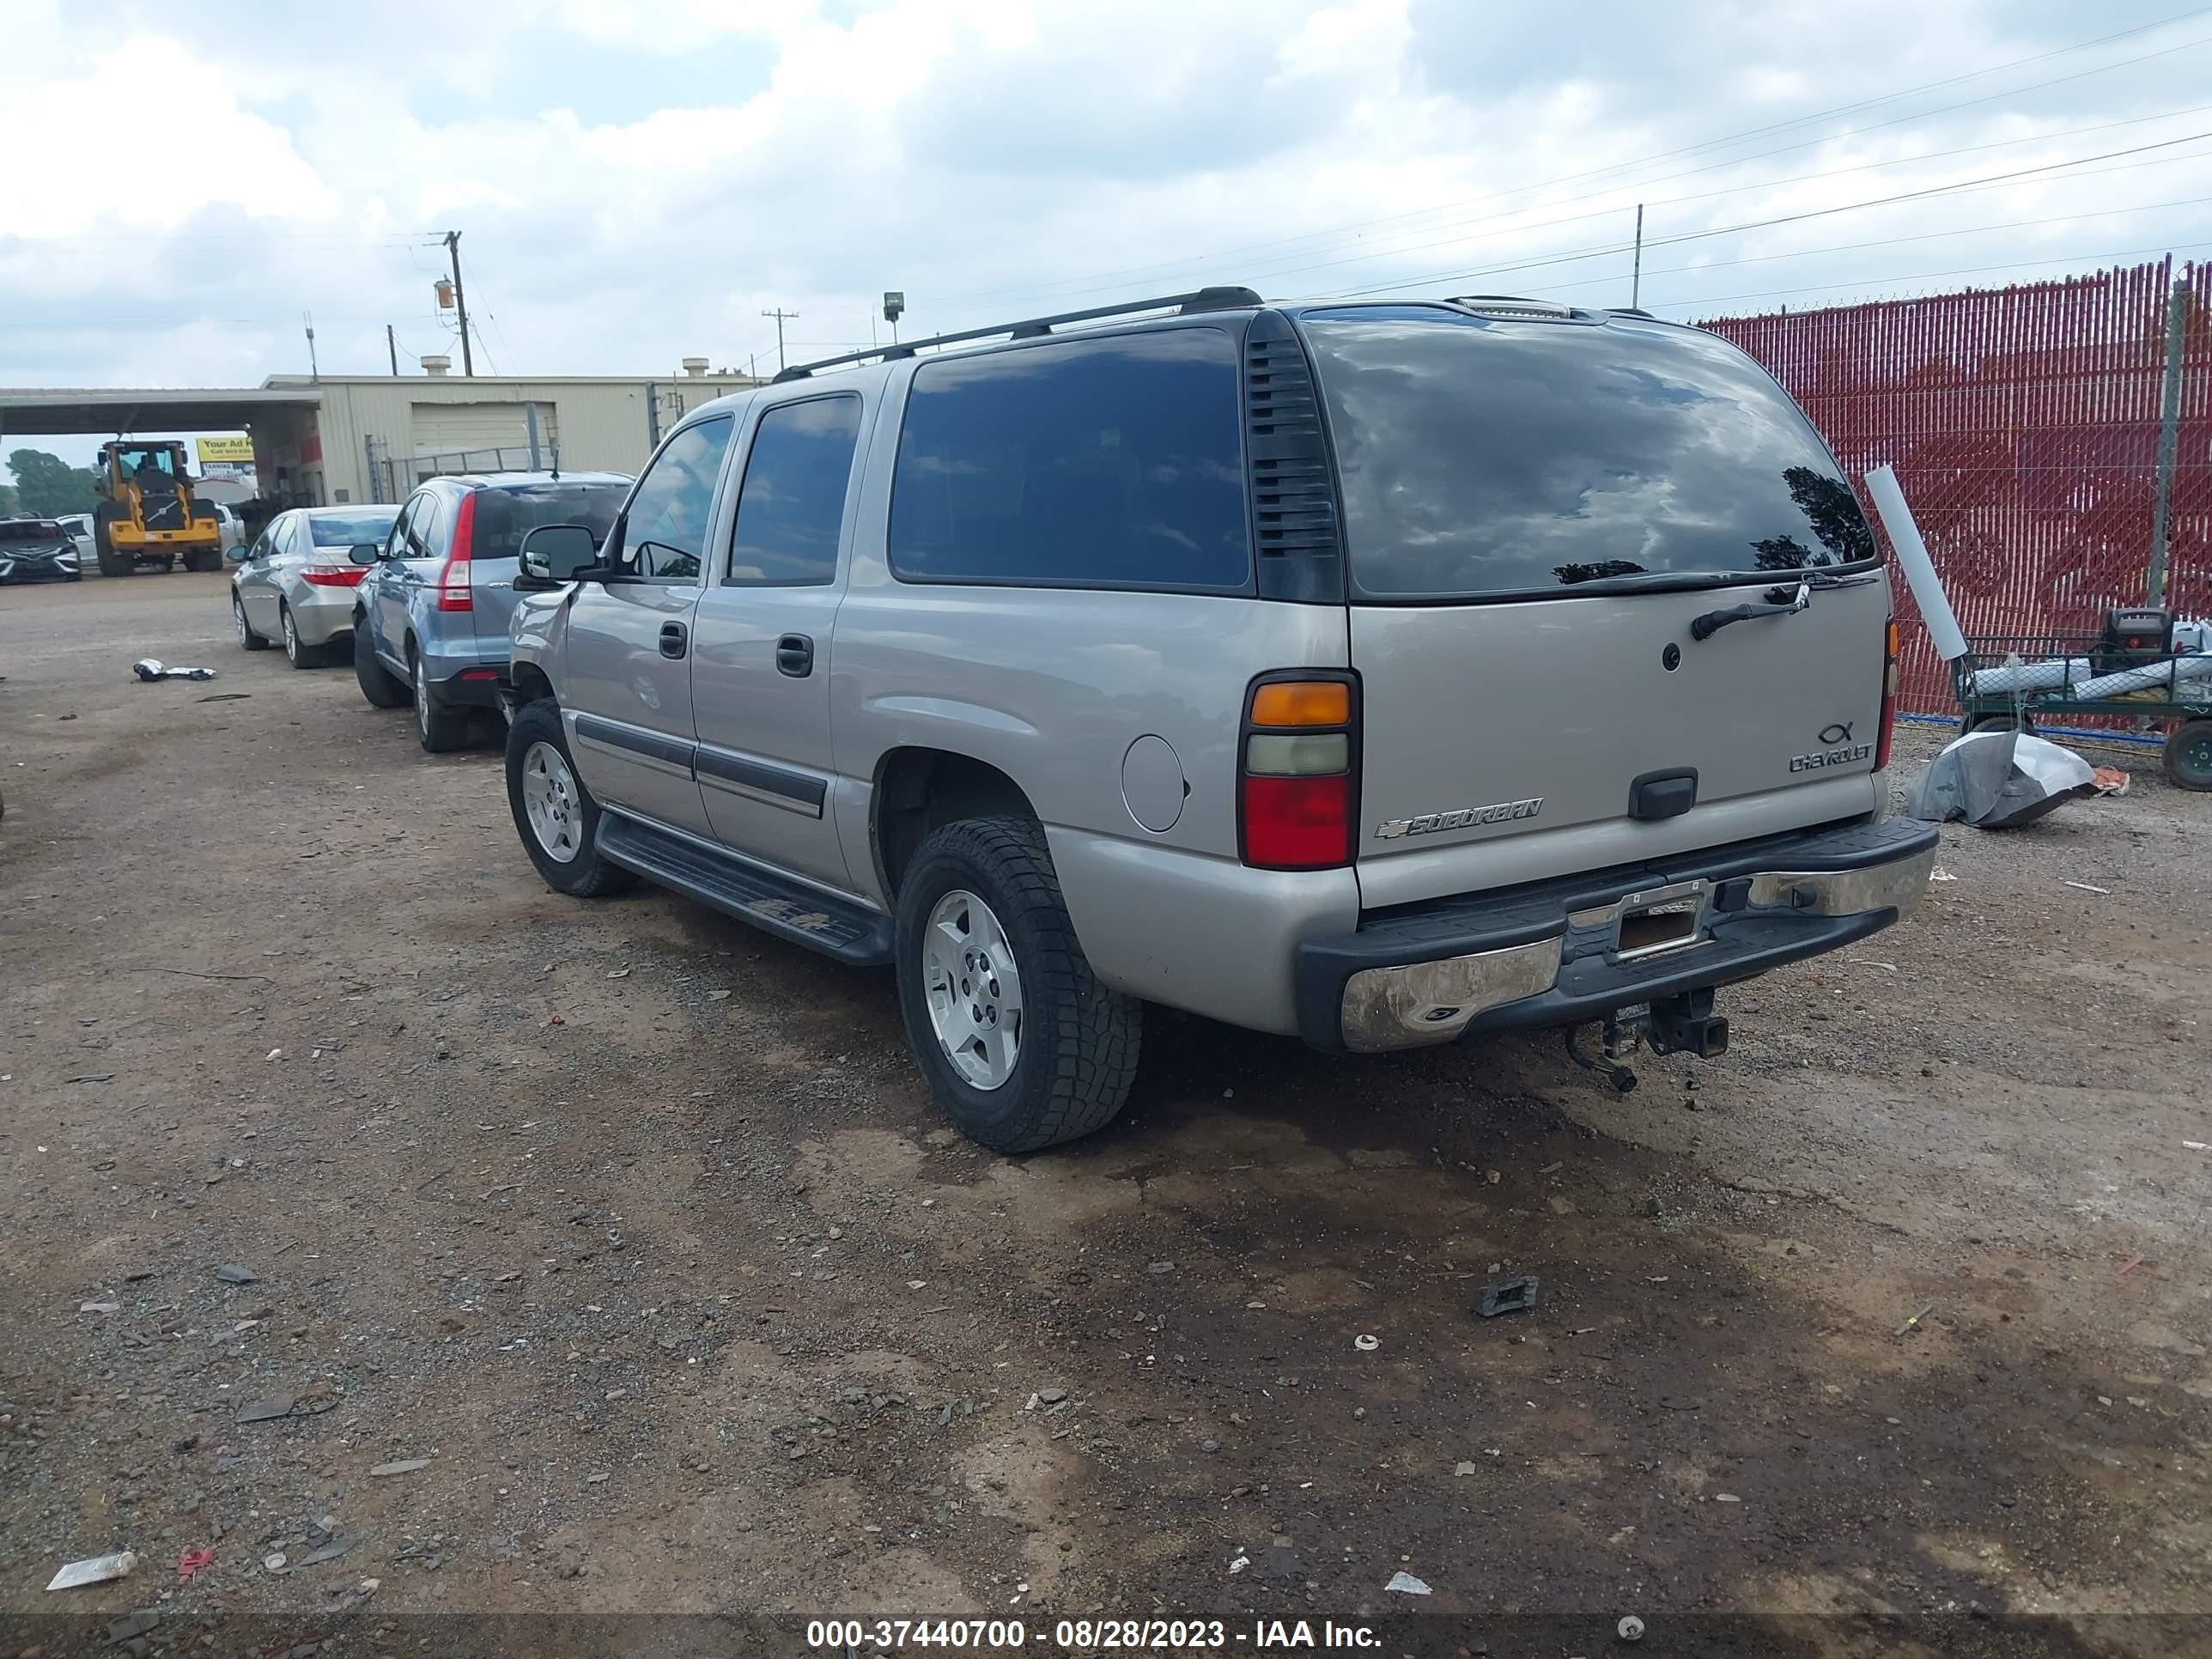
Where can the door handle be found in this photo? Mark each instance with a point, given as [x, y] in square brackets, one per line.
[795, 655]
[674, 640]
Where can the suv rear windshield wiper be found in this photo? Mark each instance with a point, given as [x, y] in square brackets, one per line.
[1705, 627]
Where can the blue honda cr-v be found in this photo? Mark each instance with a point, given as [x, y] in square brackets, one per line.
[430, 624]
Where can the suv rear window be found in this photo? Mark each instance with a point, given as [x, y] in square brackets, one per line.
[1116, 462]
[505, 513]
[1484, 458]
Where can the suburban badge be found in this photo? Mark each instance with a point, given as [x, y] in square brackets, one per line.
[1464, 817]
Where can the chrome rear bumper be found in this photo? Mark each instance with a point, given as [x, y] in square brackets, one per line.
[1562, 952]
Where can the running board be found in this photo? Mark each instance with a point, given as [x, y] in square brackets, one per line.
[802, 915]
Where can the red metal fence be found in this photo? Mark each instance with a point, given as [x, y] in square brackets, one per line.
[2023, 423]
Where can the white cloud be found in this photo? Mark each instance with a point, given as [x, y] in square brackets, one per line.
[123, 154]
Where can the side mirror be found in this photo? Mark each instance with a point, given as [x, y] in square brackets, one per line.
[366, 553]
[556, 553]
[237, 554]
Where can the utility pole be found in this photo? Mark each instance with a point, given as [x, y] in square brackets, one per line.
[461, 301]
[782, 317]
[1636, 281]
[308, 319]
[391, 345]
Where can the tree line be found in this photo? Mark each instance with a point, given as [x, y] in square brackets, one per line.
[46, 486]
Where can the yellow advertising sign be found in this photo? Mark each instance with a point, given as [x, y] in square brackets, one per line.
[232, 452]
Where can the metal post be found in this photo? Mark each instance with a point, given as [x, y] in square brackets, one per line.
[651, 416]
[1635, 278]
[460, 302]
[529, 423]
[2169, 436]
[371, 485]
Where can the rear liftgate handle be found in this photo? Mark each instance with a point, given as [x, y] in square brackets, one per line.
[795, 655]
[675, 638]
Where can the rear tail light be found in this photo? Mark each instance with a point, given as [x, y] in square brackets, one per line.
[454, 574]
[1888, 723]
[334, 575]
[1297, 779]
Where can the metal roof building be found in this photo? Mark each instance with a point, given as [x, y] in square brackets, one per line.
[337, 438]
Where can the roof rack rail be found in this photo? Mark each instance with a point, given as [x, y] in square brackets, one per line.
[1198, 299]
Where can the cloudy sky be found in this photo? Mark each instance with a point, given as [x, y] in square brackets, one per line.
[636, 180]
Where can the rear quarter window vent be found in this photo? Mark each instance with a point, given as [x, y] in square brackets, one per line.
[1294, 512]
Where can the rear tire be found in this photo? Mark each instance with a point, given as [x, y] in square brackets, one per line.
[247, 639]
[297, 652]
[439, 729]
[2189, 755]
[383, 687]
[1077, 1042]
[201, 559]
[535, 742]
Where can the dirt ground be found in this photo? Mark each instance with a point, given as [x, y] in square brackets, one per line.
[634, 1238]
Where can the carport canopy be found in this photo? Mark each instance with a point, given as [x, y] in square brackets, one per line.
[36, 411]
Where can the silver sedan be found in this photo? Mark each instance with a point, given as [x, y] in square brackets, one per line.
[295, 583]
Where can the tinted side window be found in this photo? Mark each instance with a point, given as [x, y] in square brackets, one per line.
[665, 530]
[411, 535]
[793, 505]
[395, 544]
[1116, 462]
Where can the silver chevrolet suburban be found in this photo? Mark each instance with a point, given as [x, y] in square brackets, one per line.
[1378, 673]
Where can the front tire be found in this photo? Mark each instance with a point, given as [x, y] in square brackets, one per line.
[383, 687]
[985, 948]
[247, 639]
[554, 813]
[112, 561]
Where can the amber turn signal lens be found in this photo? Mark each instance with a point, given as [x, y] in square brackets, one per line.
[1302, 702]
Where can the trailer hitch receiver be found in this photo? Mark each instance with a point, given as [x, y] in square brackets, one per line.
[1685, 1025]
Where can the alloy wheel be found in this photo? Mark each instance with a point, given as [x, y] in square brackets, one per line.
[973, 987]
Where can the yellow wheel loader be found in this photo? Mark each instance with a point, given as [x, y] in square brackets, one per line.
[147, 514]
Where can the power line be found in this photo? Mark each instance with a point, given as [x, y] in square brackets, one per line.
[1886, 241]
[1783, 219]
[1733, 190]
[1147, 272]
[2073, 259]
[397, 238]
